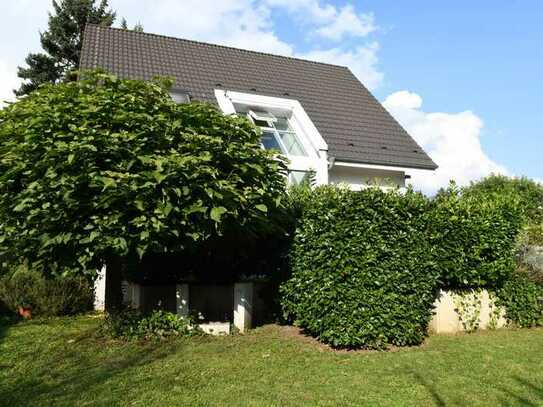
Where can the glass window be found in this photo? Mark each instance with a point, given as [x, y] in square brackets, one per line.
[269, 141]
[298, 177]
[282, 124]
[277, 133]
[291, 143]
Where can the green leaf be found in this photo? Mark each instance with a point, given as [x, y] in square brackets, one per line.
[217, 212]
[262, 208]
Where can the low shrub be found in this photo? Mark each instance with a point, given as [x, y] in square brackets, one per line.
[522, 300]
[46, 297]
[473, 237]
[362, 269]
[131, 324]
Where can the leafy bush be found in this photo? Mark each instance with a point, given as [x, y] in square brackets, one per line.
[46, 297]
[131, 324]
[107, 168]
[473, 238]
[527, 192]
[362, 269]
[523, 301]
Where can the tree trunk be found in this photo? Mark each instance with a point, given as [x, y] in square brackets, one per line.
[114, 295]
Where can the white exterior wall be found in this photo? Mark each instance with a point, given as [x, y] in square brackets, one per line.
[359, 177]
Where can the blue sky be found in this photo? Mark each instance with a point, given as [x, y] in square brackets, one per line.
[463, 77]
[486, 56]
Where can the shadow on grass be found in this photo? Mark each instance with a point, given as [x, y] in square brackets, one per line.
[532, 393]
[438, 400]
[6, 322]
[69, 373]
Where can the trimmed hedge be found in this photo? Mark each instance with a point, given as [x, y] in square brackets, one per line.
[474, 238]
[523, 301]
[366, 266]
[362, 270]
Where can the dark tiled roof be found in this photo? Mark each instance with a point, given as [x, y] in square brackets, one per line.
[352, 122]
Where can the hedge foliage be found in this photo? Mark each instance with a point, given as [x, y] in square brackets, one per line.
[522, 300]
[46, 296]
[474, 237]
[527, 192]
[362, 270]
[366, 266]
[105, 167]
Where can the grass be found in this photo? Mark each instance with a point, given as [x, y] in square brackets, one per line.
[64, 362]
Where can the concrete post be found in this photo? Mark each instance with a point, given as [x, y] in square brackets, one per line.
[135, 296]
[182, 299]
[243, 306]
[100, 290]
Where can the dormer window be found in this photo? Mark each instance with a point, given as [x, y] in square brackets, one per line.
[277, 133]
[286, 129]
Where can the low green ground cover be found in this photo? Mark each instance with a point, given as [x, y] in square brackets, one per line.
[66, 362]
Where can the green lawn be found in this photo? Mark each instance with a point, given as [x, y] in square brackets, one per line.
[64, 362]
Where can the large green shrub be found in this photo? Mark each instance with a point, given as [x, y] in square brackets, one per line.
[473, 238]
[527, 192]
[46, 296]
[105, 168]
[362, 269]
[522, 300]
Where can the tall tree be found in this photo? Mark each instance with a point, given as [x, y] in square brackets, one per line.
[106, 171]
[62, 42]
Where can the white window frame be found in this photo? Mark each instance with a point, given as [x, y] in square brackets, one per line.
[308, 135]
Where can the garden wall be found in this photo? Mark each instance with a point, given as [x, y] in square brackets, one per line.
[466, 310]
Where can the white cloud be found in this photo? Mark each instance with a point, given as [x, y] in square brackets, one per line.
[329, 21]
[362, 61]
[8, 82]
[238, 23]
[347, 22]
[451, 139]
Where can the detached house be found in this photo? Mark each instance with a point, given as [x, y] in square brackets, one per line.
[318, 115]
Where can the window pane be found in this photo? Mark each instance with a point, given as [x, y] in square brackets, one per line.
[298, 177]
[269, 141]
[291, 143]
[262, 115]
[282, 124]
[261, 123]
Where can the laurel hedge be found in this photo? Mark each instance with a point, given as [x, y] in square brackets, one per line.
[366, 266]
[362, 270]
[522, 300]
[474, 237]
